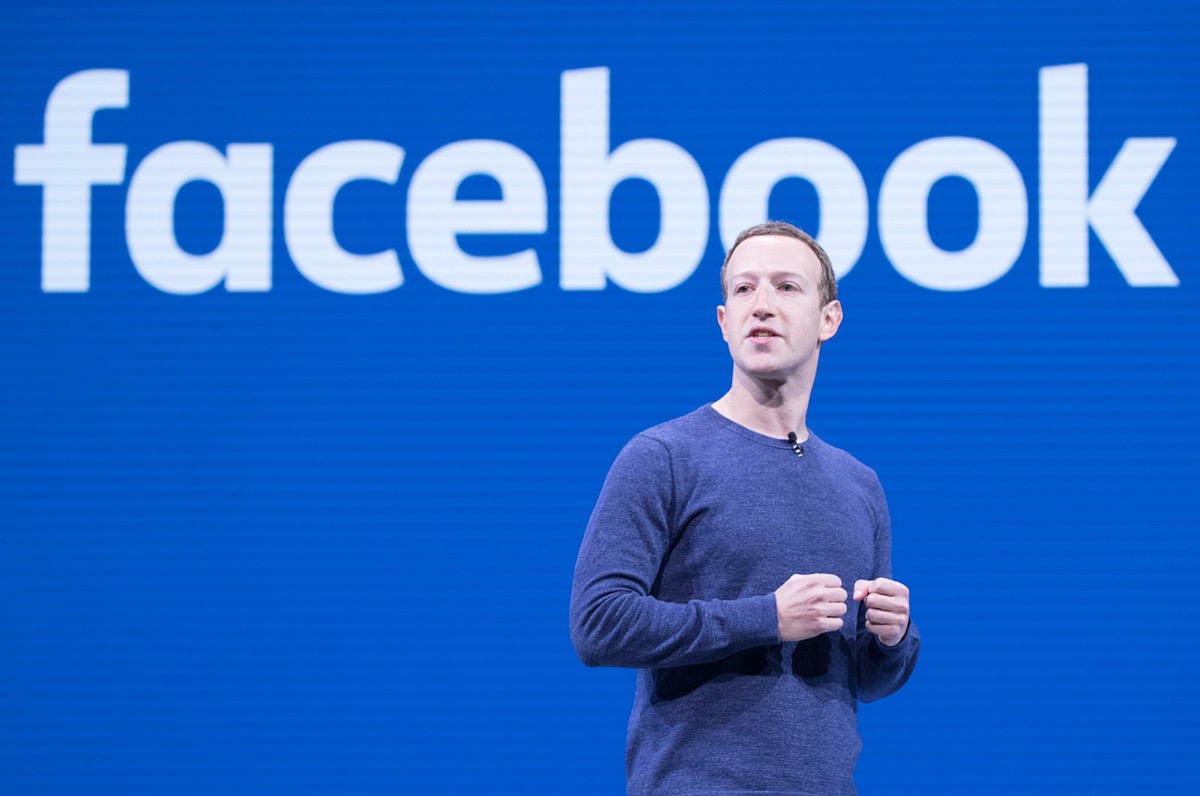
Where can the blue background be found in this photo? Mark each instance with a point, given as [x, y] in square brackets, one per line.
[304, 542]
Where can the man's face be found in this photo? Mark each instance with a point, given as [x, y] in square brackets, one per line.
[773, 319]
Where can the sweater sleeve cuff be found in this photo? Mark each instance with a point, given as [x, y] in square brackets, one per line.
[907, 642]
[754, 620]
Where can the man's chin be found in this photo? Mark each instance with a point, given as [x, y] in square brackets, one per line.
[767, 374]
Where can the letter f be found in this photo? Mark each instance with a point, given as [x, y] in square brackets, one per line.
[66, 165]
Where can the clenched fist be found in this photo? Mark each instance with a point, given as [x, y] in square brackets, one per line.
[809, 605]
[887, 608]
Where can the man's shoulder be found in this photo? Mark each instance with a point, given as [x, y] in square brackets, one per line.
[842, 456]
[849, 465]
[678, 438]
[680, 432]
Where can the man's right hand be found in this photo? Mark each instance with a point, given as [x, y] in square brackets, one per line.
[809, 605]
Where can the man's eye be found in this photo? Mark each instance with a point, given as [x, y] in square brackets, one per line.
[788, 286]
[742, 289]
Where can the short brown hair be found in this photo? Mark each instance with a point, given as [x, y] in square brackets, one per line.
[784, 229]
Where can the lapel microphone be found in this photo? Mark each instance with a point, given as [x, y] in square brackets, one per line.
[797, 448]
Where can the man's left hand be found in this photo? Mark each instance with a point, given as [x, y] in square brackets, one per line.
[887, 608]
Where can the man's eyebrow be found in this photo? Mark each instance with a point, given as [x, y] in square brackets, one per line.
[754, 273]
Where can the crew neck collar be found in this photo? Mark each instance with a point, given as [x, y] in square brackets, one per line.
[812, 443]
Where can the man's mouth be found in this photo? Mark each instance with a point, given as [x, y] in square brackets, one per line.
[762, 334]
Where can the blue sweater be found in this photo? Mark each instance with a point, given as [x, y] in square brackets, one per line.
[698, 522]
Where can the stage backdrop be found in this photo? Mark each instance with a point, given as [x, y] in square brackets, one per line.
[321, 323]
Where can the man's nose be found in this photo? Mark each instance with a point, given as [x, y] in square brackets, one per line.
[763, 305]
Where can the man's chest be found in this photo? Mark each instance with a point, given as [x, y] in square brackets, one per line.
[747, 535]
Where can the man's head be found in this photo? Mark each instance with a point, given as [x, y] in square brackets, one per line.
[780, 304]
[782, 228]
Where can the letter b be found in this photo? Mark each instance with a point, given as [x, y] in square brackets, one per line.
[588, 255]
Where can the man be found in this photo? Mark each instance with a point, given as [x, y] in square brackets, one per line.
[719, 554]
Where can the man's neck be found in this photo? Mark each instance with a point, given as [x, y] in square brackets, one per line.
[769, 408]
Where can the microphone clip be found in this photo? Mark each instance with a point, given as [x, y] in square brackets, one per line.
[797, 448]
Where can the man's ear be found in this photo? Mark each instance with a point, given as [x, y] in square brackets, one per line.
[721, 321]
[831, 319]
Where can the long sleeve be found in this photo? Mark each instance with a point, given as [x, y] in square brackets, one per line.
[882, 670]
[615, 618]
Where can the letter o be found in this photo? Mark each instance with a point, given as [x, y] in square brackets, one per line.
[841, 194]
[904, 208]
